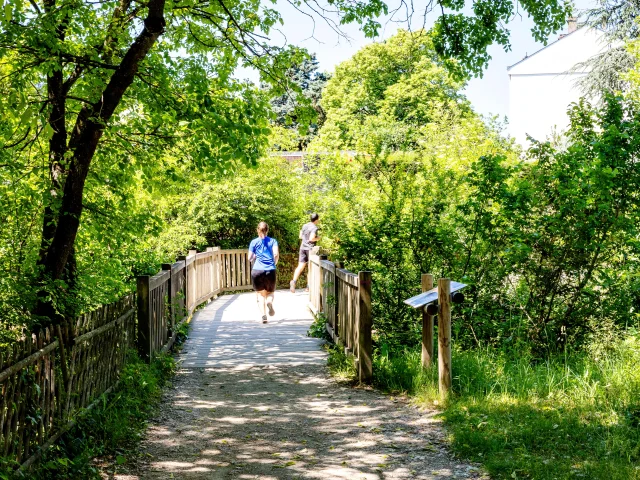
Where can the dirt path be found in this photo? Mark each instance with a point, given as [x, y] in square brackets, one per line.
[290, 422]
[281, 420]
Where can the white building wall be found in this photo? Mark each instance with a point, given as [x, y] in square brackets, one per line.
[538, 105]
[542, 86]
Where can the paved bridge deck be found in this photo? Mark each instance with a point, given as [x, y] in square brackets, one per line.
[229, 333]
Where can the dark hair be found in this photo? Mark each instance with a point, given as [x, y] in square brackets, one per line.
[263, 228]
[314, 217]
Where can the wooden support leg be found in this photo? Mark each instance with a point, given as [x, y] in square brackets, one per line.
[444, 336]
[427, 326]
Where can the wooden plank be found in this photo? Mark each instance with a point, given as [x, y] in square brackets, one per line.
[239, 288]
[347, 276]
[427, 325]
[327, 265]
[234, 250]
[444, 336]
[104, 328]
[145, 340]
[177, 267]
[159, 279]
[28, 360]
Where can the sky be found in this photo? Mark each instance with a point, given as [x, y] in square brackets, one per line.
[489, 95]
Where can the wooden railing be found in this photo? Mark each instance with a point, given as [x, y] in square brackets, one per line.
[344, 299]
[47, 378]
[170, 296]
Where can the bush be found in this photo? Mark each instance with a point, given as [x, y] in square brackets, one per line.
[573, 415]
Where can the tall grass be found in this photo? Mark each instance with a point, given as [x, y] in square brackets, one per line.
[577, 416]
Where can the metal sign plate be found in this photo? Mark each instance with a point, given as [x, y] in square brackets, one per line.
[431, 296]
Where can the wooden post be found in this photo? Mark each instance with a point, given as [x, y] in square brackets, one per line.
[172, 299]
[444, 336]
[320, 283]
[210, 270]
[144, 320]
[336, 317]
[192, 280]
[427, 325]
[365, 348]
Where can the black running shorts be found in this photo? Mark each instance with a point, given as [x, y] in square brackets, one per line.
[264, 280]
[303, 257]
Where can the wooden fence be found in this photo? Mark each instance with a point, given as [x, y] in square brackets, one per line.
[344, 298]
[47, 378]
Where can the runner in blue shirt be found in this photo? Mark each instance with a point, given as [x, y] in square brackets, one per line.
[264, 250]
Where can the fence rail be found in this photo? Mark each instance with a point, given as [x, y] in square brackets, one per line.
[344, 298]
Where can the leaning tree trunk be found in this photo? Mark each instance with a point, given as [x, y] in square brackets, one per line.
[58, 257]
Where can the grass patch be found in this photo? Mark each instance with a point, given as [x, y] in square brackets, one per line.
[341, 365]
[105, 438]
[318, 328]
[572, 417]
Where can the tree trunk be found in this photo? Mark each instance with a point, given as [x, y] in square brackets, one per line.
[58, 259]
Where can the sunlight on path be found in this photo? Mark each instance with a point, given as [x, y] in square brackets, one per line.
[228, 332]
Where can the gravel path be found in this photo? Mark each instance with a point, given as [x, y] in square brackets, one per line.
[284, 421]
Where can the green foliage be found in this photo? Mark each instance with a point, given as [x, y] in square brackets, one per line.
[572, 415]
[318, 327]
[387, 95]
[225, 211]
[298, 114]
[547, 244]
[112, 429]
[617, 19]
[462, 40]
[341, 365]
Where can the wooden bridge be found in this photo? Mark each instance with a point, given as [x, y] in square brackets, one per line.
[226, 332]
[50, 378]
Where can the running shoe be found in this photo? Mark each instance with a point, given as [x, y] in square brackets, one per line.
[264, 319]
[272, 312]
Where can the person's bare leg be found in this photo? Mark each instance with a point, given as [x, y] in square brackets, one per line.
[269, 301]
[262, 307]
[296, 275]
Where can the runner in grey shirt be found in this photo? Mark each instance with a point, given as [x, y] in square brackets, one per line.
[309, 237]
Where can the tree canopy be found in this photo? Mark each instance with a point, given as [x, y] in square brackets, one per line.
[387, 94]
[89, 86]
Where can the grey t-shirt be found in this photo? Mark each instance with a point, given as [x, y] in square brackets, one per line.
[308, 231]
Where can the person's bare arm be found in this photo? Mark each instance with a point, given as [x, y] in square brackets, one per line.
[315, 237]
[276, 254]
[252, 256]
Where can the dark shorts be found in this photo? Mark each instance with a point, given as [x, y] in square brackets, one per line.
[264, 280]
[303, 257]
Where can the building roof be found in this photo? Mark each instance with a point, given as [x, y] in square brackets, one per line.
[549, 45]
[563, 54]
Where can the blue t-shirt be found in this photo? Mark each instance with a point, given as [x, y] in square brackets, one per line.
[262, 248]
